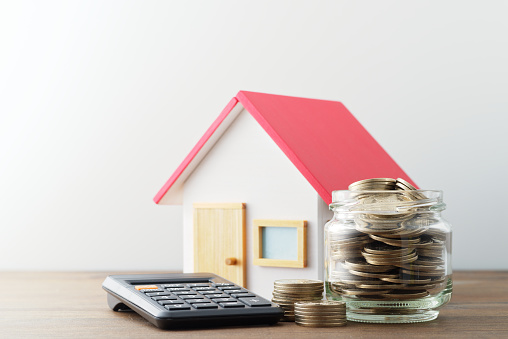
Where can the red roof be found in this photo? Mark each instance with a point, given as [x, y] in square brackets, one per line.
[322, 139]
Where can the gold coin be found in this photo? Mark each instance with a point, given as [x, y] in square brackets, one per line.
[364, 292]
[402, 242]
[392, 217]
[376, 274]
[297, 282]
[297, 294]
[435, 273]
[283, 302]
[380, 286]
[320, 322]
[419, 287]
[359, 264]
[436, 234]
[391, 261]
[386, 181]
[320, 319]
[423, 243]
[347, 279]
[319, 316]
[350, 233]
[317, 313]
[359, 280]
[350, 242]
[405, 232]
[323, 303]
[290, 302]
[302, 289]
[299, 289]
[429, 253]
[293, 299]
[380, 203]
[421, 221]
[391, 257]
[407, 281]
[376, 230]
[405, 184]
[320, 325]
[430, 261]
[382, 248]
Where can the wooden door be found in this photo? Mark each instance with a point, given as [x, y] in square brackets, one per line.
[219, 240]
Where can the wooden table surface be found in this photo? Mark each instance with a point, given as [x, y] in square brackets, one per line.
[73, 305]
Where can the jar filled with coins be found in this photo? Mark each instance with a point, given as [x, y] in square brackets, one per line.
[388, 252]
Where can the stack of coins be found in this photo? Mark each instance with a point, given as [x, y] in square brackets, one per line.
[390, 252]
[320, 313]
[288, 291]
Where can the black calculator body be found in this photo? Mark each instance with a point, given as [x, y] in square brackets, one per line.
[188, 300]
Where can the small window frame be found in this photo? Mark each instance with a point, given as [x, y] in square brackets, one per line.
[301, 231]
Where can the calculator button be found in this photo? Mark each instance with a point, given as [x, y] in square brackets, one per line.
[217, 295]
[174, 289]
[194, 301]
[170, 302]
[222, 284]
[242, 295]
[192, 297]
[178, 307]
[198, 285]
[235, 291]
[232, 304]
[146, 287]
[229, 287]
[208, 288]
[184, 292]
[255, 302]
[222, 300]
[156, 294]
[210, 292]
[172, 286]
[150, 290]
[208, 305]
[164, 297]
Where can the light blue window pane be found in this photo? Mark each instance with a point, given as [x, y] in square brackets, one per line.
[279, 243]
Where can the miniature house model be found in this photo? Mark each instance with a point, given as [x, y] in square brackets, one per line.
[256, 187]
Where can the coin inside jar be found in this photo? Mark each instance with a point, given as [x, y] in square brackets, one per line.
[392, 247]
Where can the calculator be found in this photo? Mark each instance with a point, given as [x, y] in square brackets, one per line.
[188, 300]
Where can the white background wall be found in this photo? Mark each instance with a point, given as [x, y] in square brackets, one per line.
[101, 100]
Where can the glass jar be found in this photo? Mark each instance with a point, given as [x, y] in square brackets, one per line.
[388, 255]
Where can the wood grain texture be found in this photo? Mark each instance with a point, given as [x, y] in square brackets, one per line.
[219, 233]
[73, 305]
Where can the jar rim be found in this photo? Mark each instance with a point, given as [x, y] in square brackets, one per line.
[344, 195]
[366, 202]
